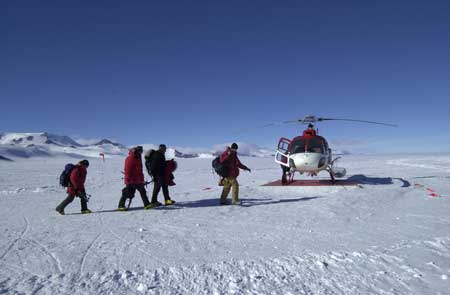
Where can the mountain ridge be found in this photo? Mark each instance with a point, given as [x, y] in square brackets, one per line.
[44, 144]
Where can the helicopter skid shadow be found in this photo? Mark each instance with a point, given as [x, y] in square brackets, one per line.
[314, 182]
[354, 180]
[362, 179]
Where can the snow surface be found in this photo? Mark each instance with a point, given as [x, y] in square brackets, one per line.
[386, 236]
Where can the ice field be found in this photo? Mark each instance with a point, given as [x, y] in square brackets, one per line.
[388, 235]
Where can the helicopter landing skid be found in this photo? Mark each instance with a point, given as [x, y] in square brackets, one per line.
[333, 179]
[290, 178]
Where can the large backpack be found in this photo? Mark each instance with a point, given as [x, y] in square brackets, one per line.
[64, 178]
[220, 168]
[148, 160]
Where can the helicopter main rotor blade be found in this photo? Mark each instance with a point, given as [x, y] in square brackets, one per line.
[353, 120]
[310, 119]
[266, 126]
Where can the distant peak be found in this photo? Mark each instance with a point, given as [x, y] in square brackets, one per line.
[107, 141]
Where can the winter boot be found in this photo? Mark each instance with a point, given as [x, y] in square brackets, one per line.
[60, 208]
[154, 204]
[169, 202]
[86, 211]
[60, 211]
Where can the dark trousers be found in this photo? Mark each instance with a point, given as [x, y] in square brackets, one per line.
[129, 191]
[156, 188]
[283, 176]
[69, 200]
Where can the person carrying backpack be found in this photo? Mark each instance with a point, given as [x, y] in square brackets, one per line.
[134, 179]
[76, 188]
[230, 160]
[161, 171]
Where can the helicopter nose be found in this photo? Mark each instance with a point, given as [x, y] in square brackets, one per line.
[308, 162]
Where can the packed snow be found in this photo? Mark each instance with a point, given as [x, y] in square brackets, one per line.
[388, 235]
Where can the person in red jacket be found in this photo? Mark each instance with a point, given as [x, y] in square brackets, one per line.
[134, 179]
[171, 166]
[230, 159]
[76, 188]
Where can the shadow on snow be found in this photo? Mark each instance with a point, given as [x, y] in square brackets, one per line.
[245, 202]
[363, 179]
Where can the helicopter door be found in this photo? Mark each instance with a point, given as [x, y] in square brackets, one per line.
[281, 156]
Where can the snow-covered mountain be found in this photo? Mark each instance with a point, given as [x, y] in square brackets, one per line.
[26, 145]
[107, 142]
[245, 149]
[27, 139]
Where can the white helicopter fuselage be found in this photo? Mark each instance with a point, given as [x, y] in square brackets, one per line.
[311, 163]
[308, 162]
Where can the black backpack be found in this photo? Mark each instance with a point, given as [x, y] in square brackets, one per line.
[64, 178]
[148, 160]
[220, 168]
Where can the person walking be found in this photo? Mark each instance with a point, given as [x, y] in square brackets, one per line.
[161, 171]
[134, 179]
[229, 159]
[76, 188]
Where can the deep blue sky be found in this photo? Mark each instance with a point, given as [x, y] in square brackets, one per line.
[190, 73]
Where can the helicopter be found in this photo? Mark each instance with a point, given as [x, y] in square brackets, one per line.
[310, 153]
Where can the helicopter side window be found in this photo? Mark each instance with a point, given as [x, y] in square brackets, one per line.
[315, 145]
[298, 146]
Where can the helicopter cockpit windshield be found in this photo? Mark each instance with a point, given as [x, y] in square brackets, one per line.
[310, 145]
[315, 145]
[298, 146]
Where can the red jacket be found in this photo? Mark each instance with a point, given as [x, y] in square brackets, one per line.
[133, 169]
[77, 179]
[231, 161]
[171, 166]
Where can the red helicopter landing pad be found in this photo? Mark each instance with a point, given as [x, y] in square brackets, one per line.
[313, 182]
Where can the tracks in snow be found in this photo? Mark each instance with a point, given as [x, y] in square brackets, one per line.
[22, 234]
[54, 260]
[83, 259]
